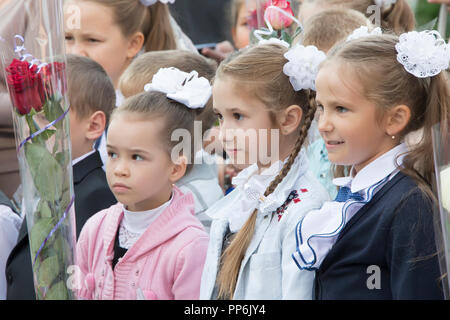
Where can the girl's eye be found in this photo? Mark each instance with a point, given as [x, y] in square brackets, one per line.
[219, 116]
[341, 109]
[69, 38]
[320, 108]
[93, 40]
[112, 155]
[238, 116]
[137, 157]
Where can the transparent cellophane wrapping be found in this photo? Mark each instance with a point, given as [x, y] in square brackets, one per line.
[256, 20]
[441, 150]
[45, 160]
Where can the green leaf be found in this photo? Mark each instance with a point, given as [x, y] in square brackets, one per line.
[57, 292]
[49, 269]
[44, 209]
[53, 110]
[39, 232]
[46, 171]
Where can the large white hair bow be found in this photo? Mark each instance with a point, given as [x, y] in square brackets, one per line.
[303, 66]
[150, 2]
[423, 54]
[186, 88]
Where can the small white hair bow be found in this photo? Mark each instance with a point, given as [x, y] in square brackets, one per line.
[423, 54]
[186, 88]
[363, 31]
[150, 2]
[274, 41]
[303, 66]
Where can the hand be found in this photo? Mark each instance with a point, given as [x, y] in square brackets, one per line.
[447, 2]
[223, 49]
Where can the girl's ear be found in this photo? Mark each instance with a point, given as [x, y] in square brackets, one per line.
[289, 119]
[397, 119]
[178, 169]
[136, 42]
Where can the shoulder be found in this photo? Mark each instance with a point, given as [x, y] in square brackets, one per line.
[97, 222]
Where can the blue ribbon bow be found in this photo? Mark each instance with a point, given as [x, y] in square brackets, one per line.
[345, 193]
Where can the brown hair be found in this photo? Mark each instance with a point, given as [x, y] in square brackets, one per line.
[89, 87]
[386, 83]
[143, 68]
[155, 105]
[330, 26]
[259, 72]
[153, 21]
[398, 18]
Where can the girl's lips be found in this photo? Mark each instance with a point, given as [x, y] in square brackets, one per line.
[330, 144]
[118, 187]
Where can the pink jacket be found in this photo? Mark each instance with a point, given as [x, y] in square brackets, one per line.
[165, 263]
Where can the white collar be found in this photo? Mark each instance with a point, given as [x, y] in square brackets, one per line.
[84, 156]
[249, 192]
[375, 171]
[138, 221]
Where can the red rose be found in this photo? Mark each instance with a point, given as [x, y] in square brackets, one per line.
[53, 76]
[25, 86]
[276, 18]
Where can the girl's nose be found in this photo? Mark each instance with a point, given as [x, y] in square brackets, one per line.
[225, 134]
[324, 124]
[121, 168]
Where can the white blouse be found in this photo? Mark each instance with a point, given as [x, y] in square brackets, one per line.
[134, 223]
[317, 232]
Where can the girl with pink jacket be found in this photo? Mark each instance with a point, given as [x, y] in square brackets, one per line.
[149, 245]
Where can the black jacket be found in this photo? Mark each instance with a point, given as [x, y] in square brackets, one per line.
[92, 194]
[386, 250]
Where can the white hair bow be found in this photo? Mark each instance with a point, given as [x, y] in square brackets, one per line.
[150, 2]
[364, 32]
[186, 88]
[303, 66]
[423, 54]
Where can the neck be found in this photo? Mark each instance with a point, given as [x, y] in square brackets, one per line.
[151, 203]
[78, 152]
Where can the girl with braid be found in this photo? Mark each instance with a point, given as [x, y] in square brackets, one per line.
[264, 99]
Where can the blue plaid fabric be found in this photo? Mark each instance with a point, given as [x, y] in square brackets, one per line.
[345, 193]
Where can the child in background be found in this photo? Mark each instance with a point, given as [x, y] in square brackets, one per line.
[149, 245]
[114, 32]
[92, 99]
[10, 222]
[323, 31]
[396, 16]
[376, 240]
[252, 229]
[202, 180]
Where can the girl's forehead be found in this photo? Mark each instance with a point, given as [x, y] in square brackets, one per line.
[93, 15]
[339, 80]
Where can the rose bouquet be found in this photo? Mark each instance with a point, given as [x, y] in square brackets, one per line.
[272, 19]
[36, 82]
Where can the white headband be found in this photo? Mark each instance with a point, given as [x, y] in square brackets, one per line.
[150, 2]
[303, 66]
[423, 54]
[183, 87]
